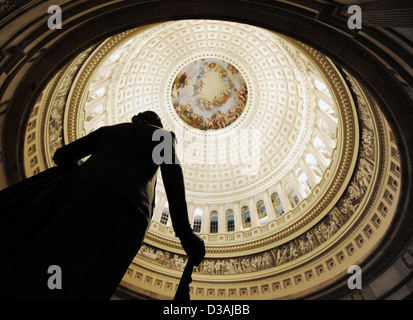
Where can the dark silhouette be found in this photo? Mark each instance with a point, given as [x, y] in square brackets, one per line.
[182, 293]
[90, 219]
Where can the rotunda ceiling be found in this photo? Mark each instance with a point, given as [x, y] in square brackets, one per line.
[242, 122]
[259, 120]
[268, 137]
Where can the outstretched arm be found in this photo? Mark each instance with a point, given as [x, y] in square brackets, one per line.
[173, 180]
[68, 155]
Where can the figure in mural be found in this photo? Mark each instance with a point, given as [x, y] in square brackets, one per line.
[90, 219]
[181, 81]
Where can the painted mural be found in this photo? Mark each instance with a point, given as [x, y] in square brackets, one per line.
[209, 94]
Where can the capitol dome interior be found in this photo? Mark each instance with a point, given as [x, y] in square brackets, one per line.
[295, 149]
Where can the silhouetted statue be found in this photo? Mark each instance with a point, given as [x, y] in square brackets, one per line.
[182, 293]
[85, 223]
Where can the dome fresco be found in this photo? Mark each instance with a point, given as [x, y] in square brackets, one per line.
[209, 94]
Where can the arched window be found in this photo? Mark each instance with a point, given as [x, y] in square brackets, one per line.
[198, 219]
[96, 94]
[230, 220]
[314, 167]
[321, 148]
[197, 223]
[321, 87]
[304, 183]
[114, 57]
[96, 111]
[262, 212]
[276, 203]
[214, 222]
[165, 216]
[327, 109]
[246, 217]
[323, 126]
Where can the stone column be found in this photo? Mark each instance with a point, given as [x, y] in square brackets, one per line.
[268, 207]
[237, 217]
[222, 221]
[205, 220]
[284, 198]
[255, 222]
